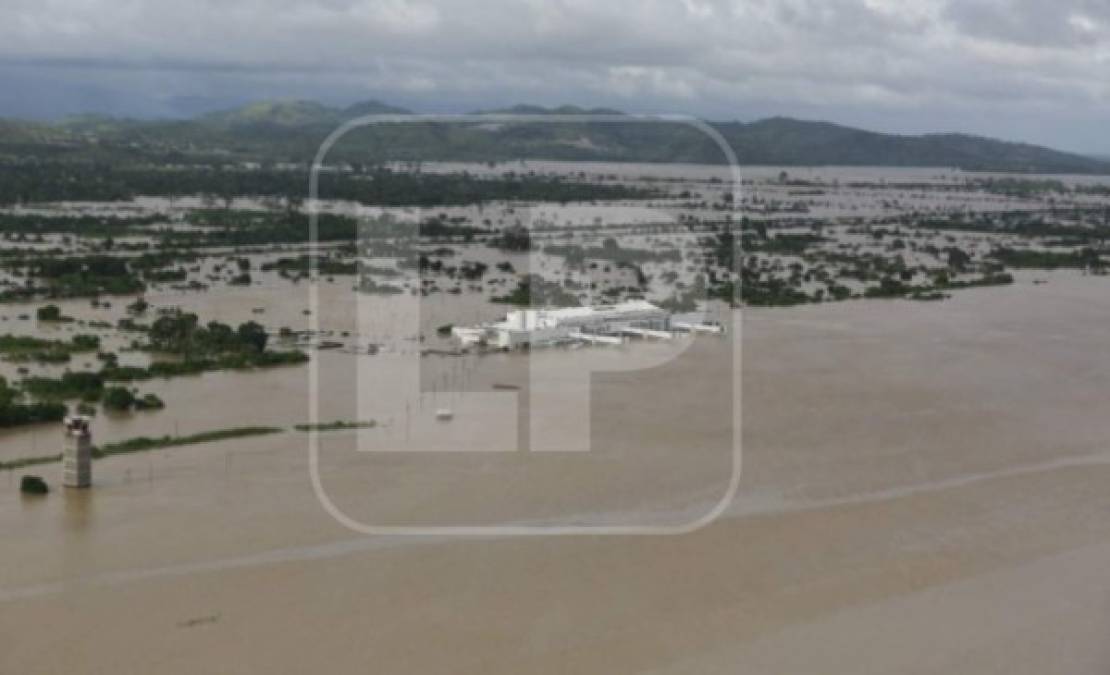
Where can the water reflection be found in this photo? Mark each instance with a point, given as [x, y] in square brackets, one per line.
[79, 509]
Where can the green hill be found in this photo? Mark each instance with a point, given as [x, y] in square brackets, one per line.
[292, 131]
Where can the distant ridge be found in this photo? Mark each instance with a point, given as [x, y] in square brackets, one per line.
[294, 113]
[291, 130]
[787, 141]
[527, 109]
[373, 108]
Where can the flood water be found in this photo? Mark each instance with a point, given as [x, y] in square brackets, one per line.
[924, 490]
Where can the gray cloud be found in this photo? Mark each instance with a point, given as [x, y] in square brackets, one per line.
[1034, 68]
[1061, 23]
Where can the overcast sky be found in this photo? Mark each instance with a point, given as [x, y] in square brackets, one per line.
[1035, 70]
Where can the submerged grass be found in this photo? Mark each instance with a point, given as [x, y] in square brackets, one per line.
[146, 444]
[24, 462]
[337, 425]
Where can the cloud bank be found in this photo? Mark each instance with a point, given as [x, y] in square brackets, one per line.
[1024, 68]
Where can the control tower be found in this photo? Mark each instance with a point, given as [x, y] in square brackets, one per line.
[77, 454]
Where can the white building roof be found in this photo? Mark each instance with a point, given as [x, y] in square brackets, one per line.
[532, 319]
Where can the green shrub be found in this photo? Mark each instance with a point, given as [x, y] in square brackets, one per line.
[33, 485]
[118, 398]
[149, 402]
[48, 313]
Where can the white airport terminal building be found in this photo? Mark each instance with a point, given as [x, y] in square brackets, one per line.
[605, 324]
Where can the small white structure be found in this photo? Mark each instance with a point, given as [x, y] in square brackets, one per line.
[541, 327]
[77, 454]
[699, 327]
[698, 322]
[648, 333]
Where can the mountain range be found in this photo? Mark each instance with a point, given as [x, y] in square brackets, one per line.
[292, 131]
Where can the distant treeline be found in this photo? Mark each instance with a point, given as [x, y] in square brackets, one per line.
[30, 182]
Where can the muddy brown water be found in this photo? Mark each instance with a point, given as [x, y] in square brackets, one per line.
[924, 490]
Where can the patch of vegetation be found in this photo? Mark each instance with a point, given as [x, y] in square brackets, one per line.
[535, 291]
[303, 265]
[122, 180]
[80, 224]
[33, 485]
[516, 239]
[336, 426]
[197, 365]
[612, 251]
[138, 307]
[24, 348]
[51, 313]
[212, 347]
[784, 244]
[84, 276]
[181, 333]
[71, 385]
[16, 411]
[24, 462]
[1023, 258]
[118, 399]
[144, 443]
[149, 402]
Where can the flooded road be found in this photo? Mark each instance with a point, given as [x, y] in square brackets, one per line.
[924, 490]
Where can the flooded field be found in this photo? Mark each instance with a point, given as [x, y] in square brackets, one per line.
[901, 476]
[923, 484]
